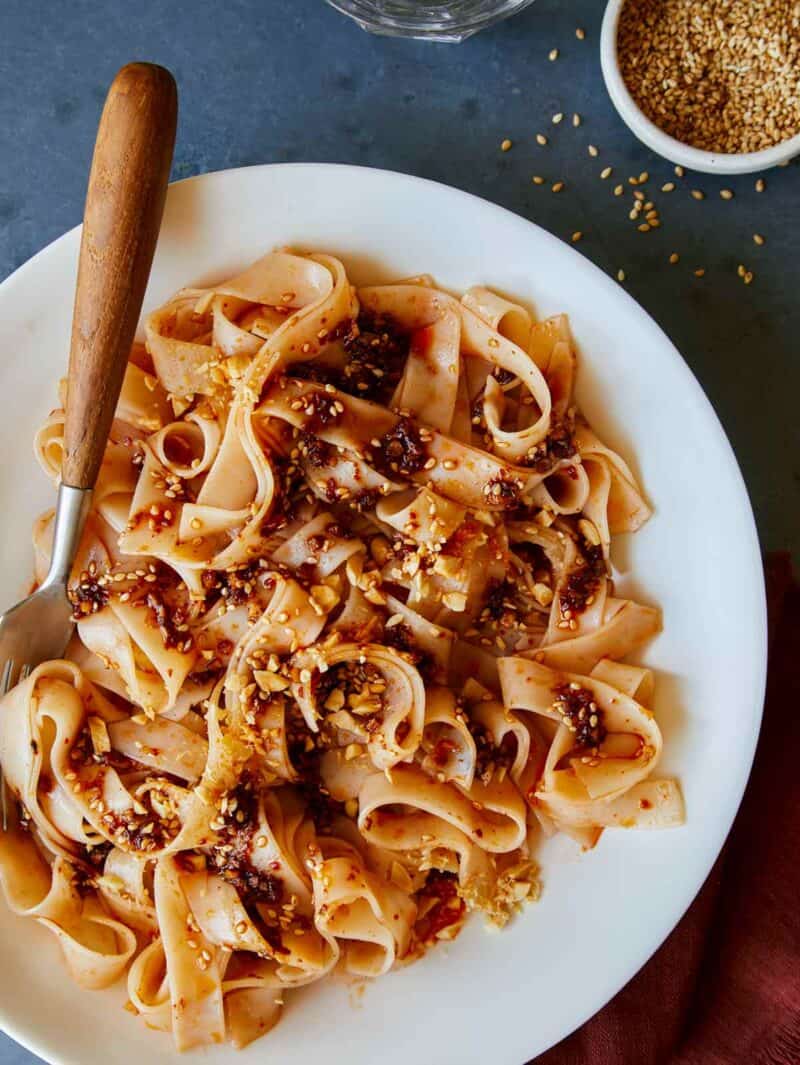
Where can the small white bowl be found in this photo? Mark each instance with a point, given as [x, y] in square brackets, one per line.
[650, 134]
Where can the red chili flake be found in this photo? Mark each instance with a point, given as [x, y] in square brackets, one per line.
[502, 490]
[448, 909]
[557, 446]
[377, 351]
[580, 714]
[365, 500]
[401, 450]
[87, 596]
[583, 582]
[316, 451]
[401, 638]
[325, 411]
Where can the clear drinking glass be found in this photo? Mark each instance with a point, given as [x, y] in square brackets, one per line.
[432, 20]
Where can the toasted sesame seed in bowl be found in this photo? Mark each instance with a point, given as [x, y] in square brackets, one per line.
[713, 85]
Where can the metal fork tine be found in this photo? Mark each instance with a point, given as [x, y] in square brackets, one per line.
[8, 673]
[5, 685]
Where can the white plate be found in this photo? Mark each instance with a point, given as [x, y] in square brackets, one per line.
[499, 998]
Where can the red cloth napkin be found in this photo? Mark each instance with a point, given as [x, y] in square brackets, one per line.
[724, 989]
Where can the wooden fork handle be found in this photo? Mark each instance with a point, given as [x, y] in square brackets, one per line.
[124, 204]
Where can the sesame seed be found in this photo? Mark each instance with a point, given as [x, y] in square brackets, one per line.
[674, 258]
[576, 120]
[541, 139]
[644, 227]
[618, 190]
[580, 33]
[557, 118]
[758, 239]
[748, 277]
[679, 171]
[698, 195]
[606, 173]
[552, 55]
[721, 82]
[576, 236]
[644, 177]
[593, 151]
[620, 275]
[760, 185]
[668, 187]
[700, 272]
[726, 194]
[537, 179]
[505, 145]
[558, 186]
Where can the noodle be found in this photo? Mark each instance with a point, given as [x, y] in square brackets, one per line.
[346, 639]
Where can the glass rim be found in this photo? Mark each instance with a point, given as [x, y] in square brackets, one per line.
[428, 20]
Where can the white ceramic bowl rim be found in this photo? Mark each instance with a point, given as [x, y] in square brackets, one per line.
[655, 137]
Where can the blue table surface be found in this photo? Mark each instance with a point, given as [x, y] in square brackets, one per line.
[271, 80]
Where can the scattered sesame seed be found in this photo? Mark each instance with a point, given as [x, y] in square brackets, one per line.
[760, 185]
[506, 144]
[726, 194]
[674, 258]
[558, 186]
[700, 272]
[557, 118]
[593, 151]
[576, 236]
[576, 120]
[748, 277]
[668, 187]
[620, 275]
[537, 179]
[644, 227]
[606, 173]
[553, 55]
[541, 139]
[698, 195]
[644, 177]
[758, 239]
[679, 171]
[618, 190]
[580, 33]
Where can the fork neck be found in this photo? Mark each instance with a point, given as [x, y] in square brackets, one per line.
[72, 509]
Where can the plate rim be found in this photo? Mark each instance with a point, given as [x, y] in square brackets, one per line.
[758, 623]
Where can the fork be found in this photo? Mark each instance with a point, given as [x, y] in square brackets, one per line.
[124, 204]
